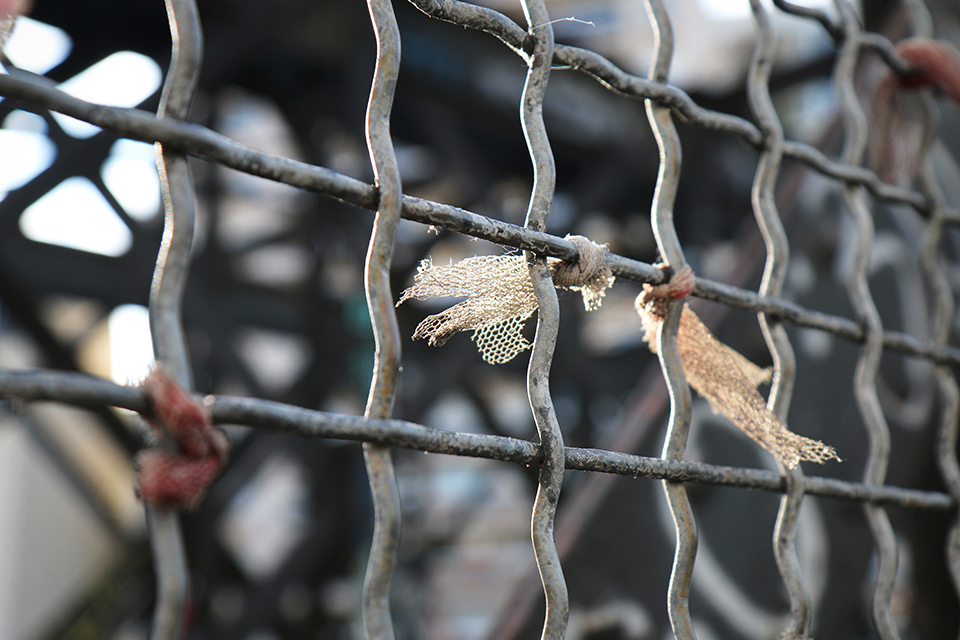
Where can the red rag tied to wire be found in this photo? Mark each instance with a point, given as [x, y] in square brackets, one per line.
[934, 63]
[898, 144]
[178, 479]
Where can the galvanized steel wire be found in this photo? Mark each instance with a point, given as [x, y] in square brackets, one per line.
[177, 139]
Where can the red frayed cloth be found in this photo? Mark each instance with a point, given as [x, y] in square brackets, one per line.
[935, 63]
[178, 480]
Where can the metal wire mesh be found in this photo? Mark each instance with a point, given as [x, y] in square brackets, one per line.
[664, 103]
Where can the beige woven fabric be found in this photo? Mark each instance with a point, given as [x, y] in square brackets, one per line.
[590, 275]
[500, 297]
[729, 383]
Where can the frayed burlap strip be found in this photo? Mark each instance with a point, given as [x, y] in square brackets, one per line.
[500, 297]
[724, 377]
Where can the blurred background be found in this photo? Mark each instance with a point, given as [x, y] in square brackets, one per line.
[275, 309]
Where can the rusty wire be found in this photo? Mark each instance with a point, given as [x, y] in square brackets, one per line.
[178, 139]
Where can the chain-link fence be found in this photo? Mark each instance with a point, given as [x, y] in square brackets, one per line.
[913, 186]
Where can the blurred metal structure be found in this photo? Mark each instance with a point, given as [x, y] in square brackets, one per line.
[378, 430]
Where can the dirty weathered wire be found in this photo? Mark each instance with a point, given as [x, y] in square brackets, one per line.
[166, 296]
[206, 144]
[377, 431]
[83, 390]
[540, 36]
[868, 363]
[943, 309]
[678, 426]
[774, 332]
[615, 79]
[377, 619]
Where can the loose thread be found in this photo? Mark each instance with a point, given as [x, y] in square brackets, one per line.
[567, 19]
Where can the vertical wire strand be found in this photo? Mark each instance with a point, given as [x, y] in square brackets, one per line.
[377, 619]
[865, 376]
[811, 14]
[678, 427]
[179, 201]
[942, 315]
[539, 47]
[774, 333]
[920, 18]
[944, 306]
[166, 296]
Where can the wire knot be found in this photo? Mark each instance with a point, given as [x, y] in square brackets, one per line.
[933, 62]
[589, 275]
[680, 285]
[587, 267]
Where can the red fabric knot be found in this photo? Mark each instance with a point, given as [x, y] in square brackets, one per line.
[181, 479]
[13, 8]
[934, 62]
[901, 128]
